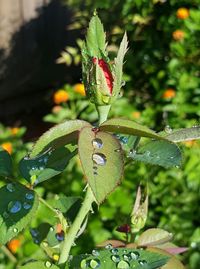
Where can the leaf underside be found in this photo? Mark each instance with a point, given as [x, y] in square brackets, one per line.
[11, 222]
[58, 136]
[103, 177]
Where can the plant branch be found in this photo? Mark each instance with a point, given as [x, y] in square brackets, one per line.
[7, 252]
[71, 235]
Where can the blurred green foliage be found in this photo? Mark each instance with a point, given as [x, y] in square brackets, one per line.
[162, 91]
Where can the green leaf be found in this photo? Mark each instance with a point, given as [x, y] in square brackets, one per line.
[184, 134]
[58, 136]
[154, 236]
[102, 161]
[39, 265]
[95, 38]
[121, 258]
[46, 165]
[18, 207]
[125, 126]
[119, 60]
[5, 163]
[160, 153]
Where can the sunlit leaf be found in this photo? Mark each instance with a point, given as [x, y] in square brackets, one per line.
[102, 161]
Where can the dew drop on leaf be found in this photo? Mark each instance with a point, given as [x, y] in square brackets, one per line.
[48, 264]
[36, 241]
[134, 255]
[84, 264]
[51, 229]
[95, 252]
[15, 230]
[29, 196]
[14, 207]
[115, 258]
[108, 246]
[97, 143]
[126, 257]
[5, 215]
[95, 263]
[10, 187]
[99, 158]
[123, 265]
[168, 129]
[26, 205]
[142, 262]
[114, 251]
[34, 232]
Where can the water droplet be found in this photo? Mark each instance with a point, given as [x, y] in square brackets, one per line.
[99, 158]
[95, 252]
[84, 264]
[48, 264]
[134, 255]
[114, 251]
[45, 244]
[106, 99]
[14, 207]
[41, 168]
[26, 205]
[97, 143]
[115, 258]
[5, 215]
[15, 230]
[123, 265]
[36, 241]
[95, 167]
[132, 153]
[34, 232]
[60, 236]
[29, 196]
[124, 139]
[51, 229]
[10, 187]
[95, 263]
[147, 153]
[168, 129]
[108, 246]
[117, 150]
[126, 257]
[142, 262]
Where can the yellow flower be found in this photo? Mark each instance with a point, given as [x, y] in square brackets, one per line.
[7, 146]
[169, 93]
[182, 13]
[60, 96]
[178, 35]
[136, 114]
[14, 130]
[79, 88]
[56, 257]
[14, 245]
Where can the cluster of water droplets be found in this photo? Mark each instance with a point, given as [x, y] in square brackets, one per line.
[121, 260]
[15, 206]
[99, 159]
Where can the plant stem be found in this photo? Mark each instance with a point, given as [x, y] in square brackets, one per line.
[71, 235]
[7, 252]
[103, 112]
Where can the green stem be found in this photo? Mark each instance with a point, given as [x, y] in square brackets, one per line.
[7, 252]
[103, 112]
[71, 235]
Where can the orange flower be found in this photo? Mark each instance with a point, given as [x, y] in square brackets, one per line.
[60, 96]
[169, 93]
[59, 228]
[14, 130]
[14, 245]
[136, 114]
[79, 88]
[7, 146]
[182, 13]
[56, 109]
[178, 35]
